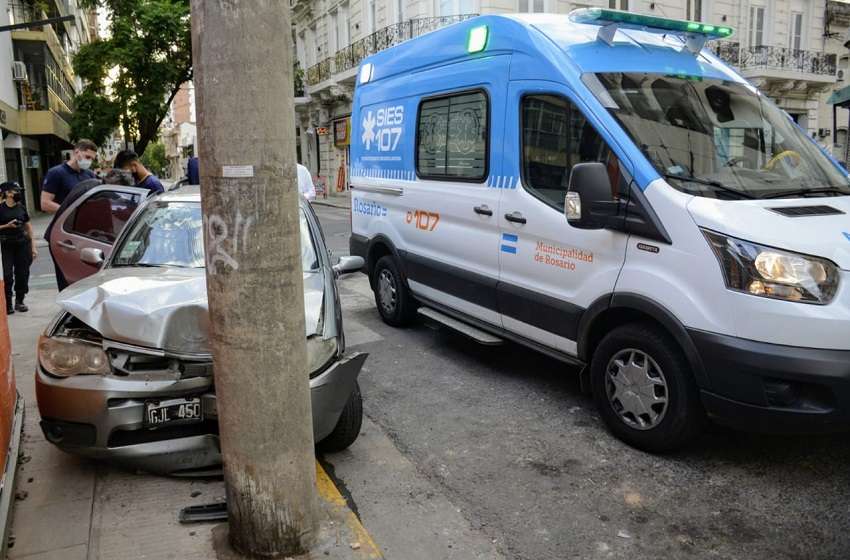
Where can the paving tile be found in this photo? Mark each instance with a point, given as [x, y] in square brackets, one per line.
[54, 483]
[51, 527]
[79, 552]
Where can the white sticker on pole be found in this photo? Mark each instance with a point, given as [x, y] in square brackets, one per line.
[237, 171]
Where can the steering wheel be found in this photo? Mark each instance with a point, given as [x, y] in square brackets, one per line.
[782, 155]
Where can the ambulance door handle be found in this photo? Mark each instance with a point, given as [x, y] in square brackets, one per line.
[484, 210]
[515, 217]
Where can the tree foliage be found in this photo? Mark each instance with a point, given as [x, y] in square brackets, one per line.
[132, 75]
[154, 159]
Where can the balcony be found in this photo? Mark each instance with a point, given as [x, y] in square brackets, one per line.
[780, 71]
[344, 63]
[24, 12]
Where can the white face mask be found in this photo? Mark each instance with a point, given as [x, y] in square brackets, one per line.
[84, 163]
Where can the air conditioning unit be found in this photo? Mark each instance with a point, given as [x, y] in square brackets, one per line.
[841, 75]
[33, 162]
[19, 71]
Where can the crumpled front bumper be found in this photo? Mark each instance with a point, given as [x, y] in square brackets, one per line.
[103, 417]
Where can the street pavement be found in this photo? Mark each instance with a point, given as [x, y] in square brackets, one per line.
[467, 452]
[506, 434]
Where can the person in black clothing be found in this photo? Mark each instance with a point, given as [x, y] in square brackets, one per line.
[17, 246]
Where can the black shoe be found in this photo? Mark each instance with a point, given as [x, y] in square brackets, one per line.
[9, 310]
[21, 307]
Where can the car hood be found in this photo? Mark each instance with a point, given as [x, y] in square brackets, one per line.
[826, 236]
[162, 308]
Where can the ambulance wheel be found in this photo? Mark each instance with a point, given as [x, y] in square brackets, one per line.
[347, 427]
[644, 389]
[395, 304]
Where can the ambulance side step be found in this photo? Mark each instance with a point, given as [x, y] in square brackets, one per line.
[477, 335]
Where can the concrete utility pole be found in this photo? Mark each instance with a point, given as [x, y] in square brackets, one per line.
[243, 76]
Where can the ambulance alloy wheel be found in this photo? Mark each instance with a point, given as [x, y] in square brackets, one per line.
[644, 389]
[395, 304]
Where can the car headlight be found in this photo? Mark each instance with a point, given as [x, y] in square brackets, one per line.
[767, 272]
[319, 353]
[66, 357]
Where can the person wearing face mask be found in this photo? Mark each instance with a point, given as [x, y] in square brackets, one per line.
[129, 161]
[61, 179]
[16, 245]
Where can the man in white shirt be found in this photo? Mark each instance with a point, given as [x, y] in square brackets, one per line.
[305, 183]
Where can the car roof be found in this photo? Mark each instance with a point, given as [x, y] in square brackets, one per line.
[548, 37]
[192, 193]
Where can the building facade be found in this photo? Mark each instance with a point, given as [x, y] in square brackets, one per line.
[779, 45]
[834, 117]
[179, 131]
[37, 86]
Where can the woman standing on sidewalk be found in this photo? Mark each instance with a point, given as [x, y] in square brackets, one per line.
[16, 244]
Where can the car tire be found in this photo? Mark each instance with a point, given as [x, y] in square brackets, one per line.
[395, 304]
[634, 368]
[347, 427]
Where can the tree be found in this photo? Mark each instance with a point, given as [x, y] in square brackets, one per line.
[132, 75]
[154, 158]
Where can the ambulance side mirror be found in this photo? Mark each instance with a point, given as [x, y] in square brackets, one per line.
[589, 203]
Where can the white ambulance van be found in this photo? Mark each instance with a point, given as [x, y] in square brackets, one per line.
[600, 187]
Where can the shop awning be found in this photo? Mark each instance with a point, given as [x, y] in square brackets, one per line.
[840, 97]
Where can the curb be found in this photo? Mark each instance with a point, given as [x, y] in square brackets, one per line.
[340, 205]
[363, 546]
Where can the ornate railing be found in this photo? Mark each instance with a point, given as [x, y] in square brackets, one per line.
[781, 58]
[728, 51]
[384, 38]
[775, 58]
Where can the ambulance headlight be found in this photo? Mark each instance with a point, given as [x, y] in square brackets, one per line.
[767, 272]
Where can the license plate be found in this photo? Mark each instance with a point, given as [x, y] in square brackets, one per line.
[173, 411]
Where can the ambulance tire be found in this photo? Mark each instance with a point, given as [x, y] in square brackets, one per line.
[644, 357]
[395, 304]
[347, 427]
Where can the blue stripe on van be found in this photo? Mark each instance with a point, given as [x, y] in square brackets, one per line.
[510, 237]
[509, 249]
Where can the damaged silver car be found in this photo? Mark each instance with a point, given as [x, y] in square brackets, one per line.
[125, 371]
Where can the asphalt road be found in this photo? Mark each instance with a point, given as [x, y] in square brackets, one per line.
[509, 438]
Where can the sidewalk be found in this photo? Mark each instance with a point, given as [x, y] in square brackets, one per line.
[69, 508]
[336, 200]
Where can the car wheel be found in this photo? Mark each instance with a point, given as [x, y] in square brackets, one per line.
[347, 427]
[644, 389]
[395, 304]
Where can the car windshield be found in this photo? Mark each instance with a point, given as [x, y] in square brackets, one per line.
[171, 234]
[720, 139]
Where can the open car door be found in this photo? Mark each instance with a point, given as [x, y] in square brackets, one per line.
[94, 220]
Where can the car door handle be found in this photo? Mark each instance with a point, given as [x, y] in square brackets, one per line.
[484, 210]
[67, 244]
[515, 217]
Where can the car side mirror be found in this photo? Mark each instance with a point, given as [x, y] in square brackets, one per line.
[348, 264]
[589, 203]
[92, 256]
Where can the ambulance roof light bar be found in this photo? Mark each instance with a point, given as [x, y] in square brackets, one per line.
[694, 32]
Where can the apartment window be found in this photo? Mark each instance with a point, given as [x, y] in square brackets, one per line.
[342, 25]
[310, 46]
[455, 7]
[531, 6]
[555, 137]
[624, 4]
[371, 19]
[333, 33]
[301, 48]
[451, 139]
[795, 42]
[694, 10]
[756, 26]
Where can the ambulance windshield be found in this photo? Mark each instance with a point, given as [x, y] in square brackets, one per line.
[720, 139]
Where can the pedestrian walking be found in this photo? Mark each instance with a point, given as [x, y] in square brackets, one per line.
[305, 183]
[129, 161]
[17, 246]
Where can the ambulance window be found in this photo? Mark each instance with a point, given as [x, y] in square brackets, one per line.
[451, 140]
[555, 137]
